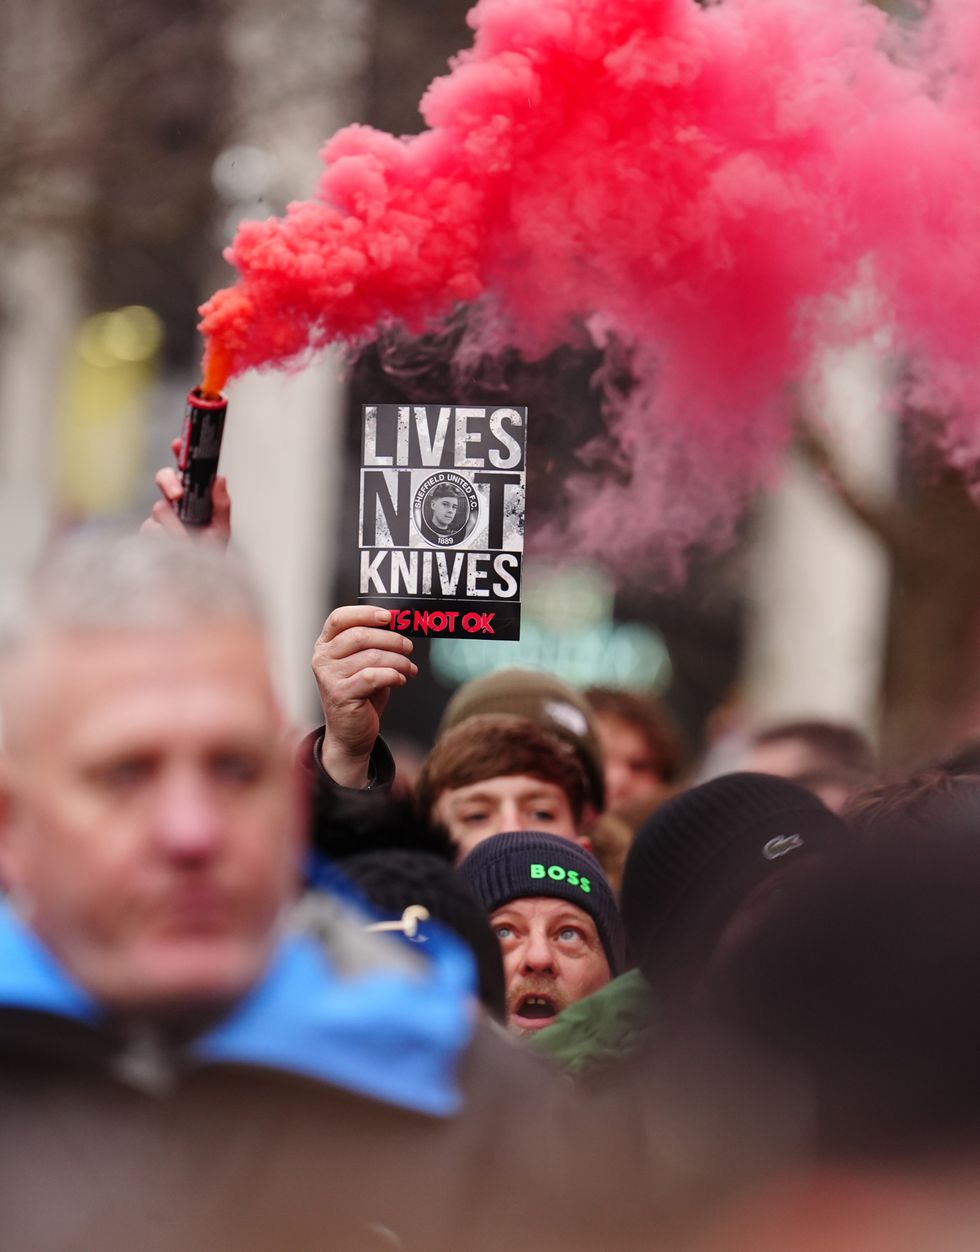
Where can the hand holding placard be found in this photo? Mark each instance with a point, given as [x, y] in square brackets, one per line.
[357, 660]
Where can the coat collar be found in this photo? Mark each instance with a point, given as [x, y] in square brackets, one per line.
[390, 1033]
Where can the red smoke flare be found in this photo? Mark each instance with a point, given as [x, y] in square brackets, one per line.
[704, 182]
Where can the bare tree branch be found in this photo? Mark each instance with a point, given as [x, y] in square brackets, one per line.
[884, 520]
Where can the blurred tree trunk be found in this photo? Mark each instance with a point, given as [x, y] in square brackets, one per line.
[931, 688]
[930, 695]
[164, 119]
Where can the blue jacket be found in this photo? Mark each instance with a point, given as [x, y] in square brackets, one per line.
[392, 1033]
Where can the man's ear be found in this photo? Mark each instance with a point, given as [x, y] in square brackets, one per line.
[586, 823]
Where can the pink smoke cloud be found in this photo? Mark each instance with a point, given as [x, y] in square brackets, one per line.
[705, 183]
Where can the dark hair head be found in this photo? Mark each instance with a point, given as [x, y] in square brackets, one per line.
[393, 879]
[840, 753]
[493, 745]
[545, 699]
[927, 805]
[347, 823]
[650, 718]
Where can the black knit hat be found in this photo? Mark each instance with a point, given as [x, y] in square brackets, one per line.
[526, 863]
[700, 855]
[392, 879]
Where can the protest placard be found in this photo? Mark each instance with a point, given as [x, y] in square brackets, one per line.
[442, 517]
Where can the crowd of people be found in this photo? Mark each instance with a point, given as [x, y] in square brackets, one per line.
[562, 994]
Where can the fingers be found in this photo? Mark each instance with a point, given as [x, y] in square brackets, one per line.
[163, 520]
[354, 615]
[367, 682]
[340, 653]
[363, 638]
[374, 658]
[336, 663]
[358, 627]
[169, 484]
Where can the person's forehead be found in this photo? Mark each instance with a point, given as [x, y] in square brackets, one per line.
[618, 735]
[787, 758]
[447, 496]
[82, 687]
[505, 787]
[545, 910]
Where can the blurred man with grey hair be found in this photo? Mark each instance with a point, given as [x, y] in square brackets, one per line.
[177, 1069]
[151, 832]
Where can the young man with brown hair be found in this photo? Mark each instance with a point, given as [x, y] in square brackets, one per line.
[495, 773]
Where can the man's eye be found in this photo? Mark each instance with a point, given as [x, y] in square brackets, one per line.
[504, 932]
[235, 767]
[569, 934]
[545, 815]
[123, 775]
[473, 816]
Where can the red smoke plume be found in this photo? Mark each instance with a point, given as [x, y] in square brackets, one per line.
[704, 182]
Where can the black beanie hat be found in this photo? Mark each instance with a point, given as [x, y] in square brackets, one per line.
[700, 855]
[527, 863]
[392, 879]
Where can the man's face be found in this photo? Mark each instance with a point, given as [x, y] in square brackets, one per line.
[631, 771]
[444, 509]
[794, 759]
[553, 957]
[496, 805]
[151, 826]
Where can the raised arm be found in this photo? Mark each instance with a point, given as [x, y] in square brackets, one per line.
[357, 661]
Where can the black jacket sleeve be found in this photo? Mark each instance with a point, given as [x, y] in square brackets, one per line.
[381, 768]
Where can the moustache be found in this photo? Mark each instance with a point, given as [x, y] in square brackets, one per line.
[518, 991]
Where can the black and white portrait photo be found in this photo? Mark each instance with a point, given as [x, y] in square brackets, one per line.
[446, 509]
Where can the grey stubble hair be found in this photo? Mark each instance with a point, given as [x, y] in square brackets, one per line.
[103, 580]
